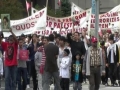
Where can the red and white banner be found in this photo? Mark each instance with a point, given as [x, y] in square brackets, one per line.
[84, 20]
[29, 25]
[75, 9]
[109, 20]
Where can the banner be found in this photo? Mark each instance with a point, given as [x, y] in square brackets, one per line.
[109, 20]
[54, 24]
[29, 25]
[44, 26]
[75, 9]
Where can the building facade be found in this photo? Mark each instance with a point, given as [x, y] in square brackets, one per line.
[105, 5]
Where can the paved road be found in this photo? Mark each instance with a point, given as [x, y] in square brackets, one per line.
[85, 87]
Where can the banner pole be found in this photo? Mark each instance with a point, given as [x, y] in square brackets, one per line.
[31, 7]
[46, 3]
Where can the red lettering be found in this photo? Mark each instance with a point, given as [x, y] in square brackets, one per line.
[27, 26]
[17, 27]
[32, 24]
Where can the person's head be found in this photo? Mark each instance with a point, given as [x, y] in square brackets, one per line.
[42, 38]
[23, 37]
[66, 52]
[57, 38]
[11, 39]
[5, 19]
[21, 41]
[116, 34]
[54, 33]
[34, 38]
[46, 40]
[51, 38]
[102, 44]
[94, 41]
[111, 39]
[62, 41]
[77, 55]
[107, 35]
[76, 36]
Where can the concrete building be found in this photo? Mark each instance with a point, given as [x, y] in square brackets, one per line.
[105, 5]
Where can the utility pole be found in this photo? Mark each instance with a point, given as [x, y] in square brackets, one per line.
[97, 18]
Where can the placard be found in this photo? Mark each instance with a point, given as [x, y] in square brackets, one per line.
[23, 55]
[5, 22]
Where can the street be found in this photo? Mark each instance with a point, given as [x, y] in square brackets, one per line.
[84, 87]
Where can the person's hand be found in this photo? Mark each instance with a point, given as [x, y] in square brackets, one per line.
[60, 77]
[117, 64]
[107, 65]
[83, 73]
[103, 73]
[82, 57]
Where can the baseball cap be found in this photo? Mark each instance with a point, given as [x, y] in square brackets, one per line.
[94, 39]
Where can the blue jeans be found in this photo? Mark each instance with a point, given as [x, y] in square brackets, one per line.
[22, 78]
[10, 77]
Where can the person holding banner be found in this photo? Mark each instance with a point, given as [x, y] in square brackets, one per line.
[22, 56]
[10, 49]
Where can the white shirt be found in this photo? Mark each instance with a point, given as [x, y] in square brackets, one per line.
[111, 48]
[61, 55]
[65, 67]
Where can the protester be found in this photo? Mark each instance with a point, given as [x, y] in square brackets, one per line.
[51, 68]
[33, 46]
[77, 45]
[65, 70]
[76, 71]
[38, 59]
[62, 46]
[22, 67]
[113, 60]
[40, 62]
[10, 49]
[93, 65]
[104, 53]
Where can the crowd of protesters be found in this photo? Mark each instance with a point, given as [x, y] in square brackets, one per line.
[64, 60]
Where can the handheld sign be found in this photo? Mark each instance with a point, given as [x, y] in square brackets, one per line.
[5, 22]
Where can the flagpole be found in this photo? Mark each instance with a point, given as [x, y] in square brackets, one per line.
[46, 3]
[31, 7]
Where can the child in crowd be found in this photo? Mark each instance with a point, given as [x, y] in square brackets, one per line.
[65, 70]
[38, 59]
[22, 57]
[76, 72]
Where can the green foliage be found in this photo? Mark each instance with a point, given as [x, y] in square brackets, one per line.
[63, 11]
[12, 7]
[50, 12]
[65, 8]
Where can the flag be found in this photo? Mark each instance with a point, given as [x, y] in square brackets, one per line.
[59, 2]
[100, 32]
[27, 5]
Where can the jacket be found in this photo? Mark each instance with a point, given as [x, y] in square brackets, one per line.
[86, 62]
[65, 67]
[73, 71]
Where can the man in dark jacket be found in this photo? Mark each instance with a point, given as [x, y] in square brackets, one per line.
[51, 68]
